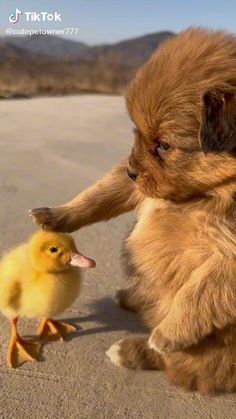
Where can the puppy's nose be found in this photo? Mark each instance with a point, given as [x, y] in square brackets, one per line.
[132, 175]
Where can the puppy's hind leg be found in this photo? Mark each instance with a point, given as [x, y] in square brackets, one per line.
[127, 300]
[135, 353]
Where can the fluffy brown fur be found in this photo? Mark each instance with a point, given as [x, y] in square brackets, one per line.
[182, 249]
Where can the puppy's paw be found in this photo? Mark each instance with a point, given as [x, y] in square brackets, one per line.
[51, 218]
[114, 353]
[160, 343]
[134, 353]
[42, 217]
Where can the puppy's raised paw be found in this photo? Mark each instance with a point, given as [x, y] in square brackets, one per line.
[51, 218]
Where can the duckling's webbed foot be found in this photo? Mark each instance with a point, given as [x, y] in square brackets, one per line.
[21, 350]
[54, 330]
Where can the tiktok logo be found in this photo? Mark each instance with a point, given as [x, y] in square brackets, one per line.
[14, 17]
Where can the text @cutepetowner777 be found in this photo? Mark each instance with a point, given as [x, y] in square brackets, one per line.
[41, 31]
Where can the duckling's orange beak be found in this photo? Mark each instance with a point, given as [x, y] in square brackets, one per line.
[77, 259]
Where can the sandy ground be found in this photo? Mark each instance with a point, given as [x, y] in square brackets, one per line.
[50, 150]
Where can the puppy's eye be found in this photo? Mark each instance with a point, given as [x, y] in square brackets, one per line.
[135, 130]
[162, 147]
[53, 249]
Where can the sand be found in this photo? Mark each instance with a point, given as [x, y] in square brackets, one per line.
[51, 149]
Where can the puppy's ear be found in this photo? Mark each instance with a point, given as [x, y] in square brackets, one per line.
[218, 126]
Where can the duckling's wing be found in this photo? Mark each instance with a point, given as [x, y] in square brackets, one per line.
[12, 268]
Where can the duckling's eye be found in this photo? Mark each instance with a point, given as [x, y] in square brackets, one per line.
[53, 249]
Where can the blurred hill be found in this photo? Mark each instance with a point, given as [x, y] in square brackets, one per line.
[49, 65]
[49, 45]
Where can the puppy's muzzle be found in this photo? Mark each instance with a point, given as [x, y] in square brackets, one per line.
[131, 175]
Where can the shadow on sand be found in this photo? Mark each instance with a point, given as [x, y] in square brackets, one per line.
[110, 316]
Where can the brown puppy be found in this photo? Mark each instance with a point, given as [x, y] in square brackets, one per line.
[183, 184]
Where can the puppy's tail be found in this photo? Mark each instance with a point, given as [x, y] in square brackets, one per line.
[135, 353]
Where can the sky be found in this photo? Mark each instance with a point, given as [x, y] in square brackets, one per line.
[109, 21]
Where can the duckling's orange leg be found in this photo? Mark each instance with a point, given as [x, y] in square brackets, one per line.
[20, 350]
[54, 330]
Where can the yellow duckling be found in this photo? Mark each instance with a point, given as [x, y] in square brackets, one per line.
[40, 279]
